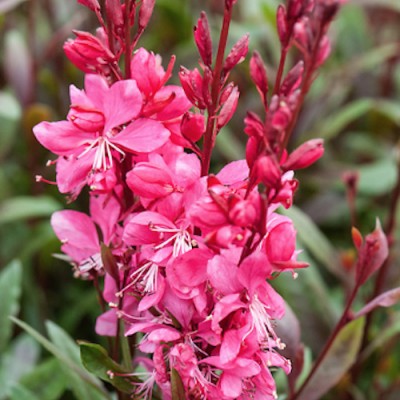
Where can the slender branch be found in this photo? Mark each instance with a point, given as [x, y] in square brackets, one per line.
[341, 323]
[127, 40]
[211, 130]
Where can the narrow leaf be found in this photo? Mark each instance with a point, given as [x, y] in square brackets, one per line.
[386, 299]
[340, 357]
[18, 392]
[26, 207]
[177, 388]
[97, 361]
[10, 289]
[70, 349]
[60, 356]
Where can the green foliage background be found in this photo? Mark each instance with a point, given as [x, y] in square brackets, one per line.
[354, 105]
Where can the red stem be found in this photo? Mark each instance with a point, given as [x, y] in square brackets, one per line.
[211, 130]
[341, 323]
[127, 40]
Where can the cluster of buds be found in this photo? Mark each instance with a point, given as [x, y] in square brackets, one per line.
[186, 255]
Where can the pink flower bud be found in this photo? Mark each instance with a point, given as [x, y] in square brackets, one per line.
[281, 23]
[281, 117]
[202, 38]
[302, 34]
[253, 125]
[323, 51]
[192, 84]
[228, 108]
[295, 8]
[293, 79]
[267, 171]
[237, 54]
[145, 12]
[192, 126]
[91, 4]
[372, 254]
[207, 82]
[243, 213]
[305, 155]
[87, 52]
[258, 75]
[114, 12]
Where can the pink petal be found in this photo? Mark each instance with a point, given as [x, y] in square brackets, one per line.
[142, 136]
[234, 172]
[106, 324]
[177, 107]
[62, 137]
[121, 104]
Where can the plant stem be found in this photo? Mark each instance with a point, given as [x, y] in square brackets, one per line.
[127, 40]
[211, 130]
[341, 323]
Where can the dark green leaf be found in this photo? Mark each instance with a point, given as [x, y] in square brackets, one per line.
[10, 289]
[338, 360]
[177, 388]
[96, 360]
[19, 392]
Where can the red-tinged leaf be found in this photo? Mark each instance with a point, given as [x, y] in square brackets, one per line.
[177, 388]
[202, 37]
[237, 54]
[288, 329]
[109, 263]
[386, 299]
[357, 237]
[338, 360]
[372, 254]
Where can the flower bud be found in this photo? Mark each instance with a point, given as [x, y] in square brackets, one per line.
[91, 4]
[243, 213]
[192, 84]
[237, 54]
[145, 12]
[281, 23]
[85, 119]
[192, 126]
[323, 51]
[228, 108]
[202, 38]
[267, 171]
[305, 155]
[258, 74]
[114, 12]
[293, 79]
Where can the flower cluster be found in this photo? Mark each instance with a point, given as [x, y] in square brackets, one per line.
[186, 255]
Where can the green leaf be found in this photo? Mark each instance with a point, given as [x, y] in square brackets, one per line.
[177, 388]
[339, 358]
[18, 359]
[19, 392]
[377, 178]
[70, 349]
[26, 207]
[66, 359]
[333, 125]
[315, 241]
[10, 289]
[49, 372]
[97, 361]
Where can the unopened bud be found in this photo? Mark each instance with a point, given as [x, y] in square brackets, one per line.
[192, 126]
[192, 84]
[145, 12]
[228, 108]
[202, 38]
[267, 171]
[258, 74]
[114, 12]
[91, 4]
[237, 54]
[305, 155]
[282, 24]
[323, 51]
[293, 79]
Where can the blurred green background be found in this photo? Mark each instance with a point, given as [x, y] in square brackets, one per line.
[354, 105]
